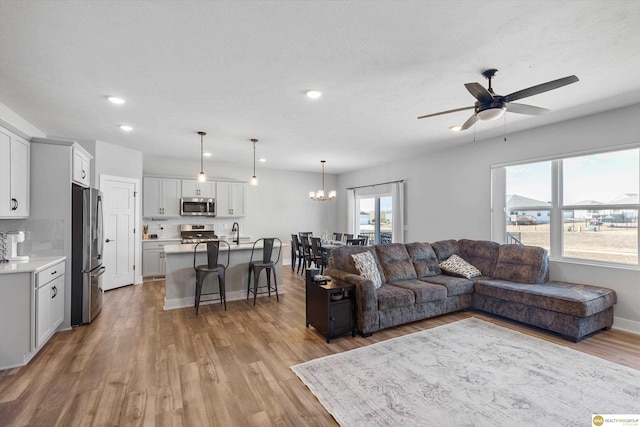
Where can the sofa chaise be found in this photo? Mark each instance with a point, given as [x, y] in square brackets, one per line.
[400, 283]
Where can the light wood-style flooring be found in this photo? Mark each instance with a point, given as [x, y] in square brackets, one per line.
[139, 365]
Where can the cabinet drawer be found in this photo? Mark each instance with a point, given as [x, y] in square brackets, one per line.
[47, 275]
[156, 245]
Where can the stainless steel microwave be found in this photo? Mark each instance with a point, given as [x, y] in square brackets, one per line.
[190, 206]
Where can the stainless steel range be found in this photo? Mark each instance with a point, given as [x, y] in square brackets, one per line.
[197, 233]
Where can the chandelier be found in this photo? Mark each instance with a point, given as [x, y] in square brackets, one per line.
[320, 194]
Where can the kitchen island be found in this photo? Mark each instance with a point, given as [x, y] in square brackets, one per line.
[180, 277]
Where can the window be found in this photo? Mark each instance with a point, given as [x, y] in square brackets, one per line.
[377, 211]
[583, 207]
[528, 197]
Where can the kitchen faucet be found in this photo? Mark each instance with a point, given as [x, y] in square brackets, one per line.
[236, 228]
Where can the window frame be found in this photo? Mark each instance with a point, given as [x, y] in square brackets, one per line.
[556, 243]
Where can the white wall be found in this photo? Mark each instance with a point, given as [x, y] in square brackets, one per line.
[114, 160]
[277, 207]
[448, 193]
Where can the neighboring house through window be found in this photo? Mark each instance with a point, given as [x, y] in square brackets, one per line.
[580, 207]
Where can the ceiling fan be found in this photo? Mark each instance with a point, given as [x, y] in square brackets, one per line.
[490, 106]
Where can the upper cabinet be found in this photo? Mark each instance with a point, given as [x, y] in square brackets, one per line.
[230, 199]
[194, 188]
[161, 197]
[81, 166]
[14, 175]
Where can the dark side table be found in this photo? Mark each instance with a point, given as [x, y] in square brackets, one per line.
[330, 308]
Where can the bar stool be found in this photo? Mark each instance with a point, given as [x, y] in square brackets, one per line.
[212, 267]
[266, 263]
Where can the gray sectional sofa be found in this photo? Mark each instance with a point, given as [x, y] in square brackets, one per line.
[513, 283]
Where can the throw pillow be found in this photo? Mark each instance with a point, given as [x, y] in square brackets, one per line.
[367, 267]
[457, 266]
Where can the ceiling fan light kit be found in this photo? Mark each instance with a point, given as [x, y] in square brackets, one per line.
[490, 106]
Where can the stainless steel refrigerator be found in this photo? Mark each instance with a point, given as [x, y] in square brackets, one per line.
[86, 254]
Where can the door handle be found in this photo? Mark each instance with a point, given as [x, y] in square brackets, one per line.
[109, 240]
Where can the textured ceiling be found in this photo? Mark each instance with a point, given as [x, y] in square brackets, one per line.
[239, 70]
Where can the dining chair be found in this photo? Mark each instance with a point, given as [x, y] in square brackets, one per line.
[337, 236]
[346, 236]
[307, 257]
[317, 254]
[296, 253]
[211, 267]
[365, 238]
[270, 257]
[358, 242]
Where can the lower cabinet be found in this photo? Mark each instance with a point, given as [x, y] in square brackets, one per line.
[153, 263]
[31, 310]
[49, 299]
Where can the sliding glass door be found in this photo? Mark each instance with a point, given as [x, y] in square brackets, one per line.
[375, 218]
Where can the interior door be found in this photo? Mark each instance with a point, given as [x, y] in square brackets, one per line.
[119, 224]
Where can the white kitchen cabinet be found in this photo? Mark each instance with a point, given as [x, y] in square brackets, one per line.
[161, 197]
[14, 175]
[49, 300]
[153, 261]
[230, 199]
[81, 167]
[31, 307]
[194, 188]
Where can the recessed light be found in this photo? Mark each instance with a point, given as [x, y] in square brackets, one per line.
[126, 128]
[262, 160]
[456, 128]
[207, 154]
[116, 100]
[313, 94]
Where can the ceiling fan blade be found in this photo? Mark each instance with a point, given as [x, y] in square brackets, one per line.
[512, 107]
[479, 92]
[446, 112]
[544, 87]
[470, 122]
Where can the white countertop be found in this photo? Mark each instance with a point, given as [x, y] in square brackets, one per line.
[188, 248]
[33, 265]
[162, 239]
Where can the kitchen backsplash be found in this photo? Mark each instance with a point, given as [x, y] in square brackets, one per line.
[170, 228]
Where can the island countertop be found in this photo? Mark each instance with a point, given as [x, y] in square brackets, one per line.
[188, 247]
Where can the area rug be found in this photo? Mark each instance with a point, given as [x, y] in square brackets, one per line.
[469, 373]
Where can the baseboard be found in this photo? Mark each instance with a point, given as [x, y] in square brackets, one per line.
[176, 303]
[626, 325]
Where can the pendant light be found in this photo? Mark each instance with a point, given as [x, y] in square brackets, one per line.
[202, 177]
[319, 195]
[254, 178]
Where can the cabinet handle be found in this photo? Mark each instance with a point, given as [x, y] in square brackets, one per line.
[54, 272]
[109, 240]
[84, 174]
[55, 292]
[15, 204]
